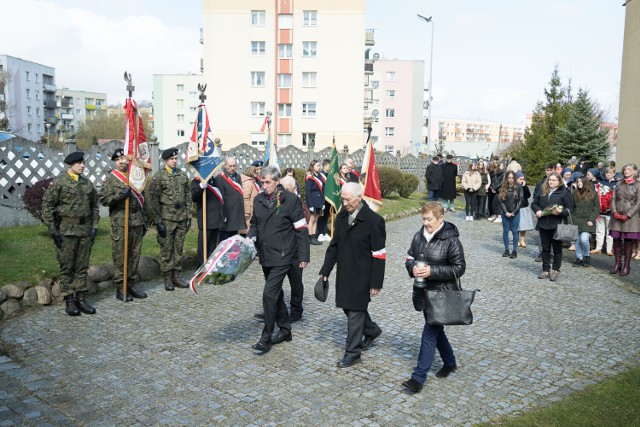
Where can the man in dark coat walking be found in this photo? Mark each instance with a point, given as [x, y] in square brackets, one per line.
[448, 190]
[358, 247]
[230, 185]
[433, 175]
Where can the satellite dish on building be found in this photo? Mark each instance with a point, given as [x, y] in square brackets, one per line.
[374, 113]
[376, 56]
[375, 84]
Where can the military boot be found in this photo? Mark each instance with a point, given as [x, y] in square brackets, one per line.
[72, 309]
[175, 278]
[120, 295]
[168, 284]
[135, 292]
[83, 304]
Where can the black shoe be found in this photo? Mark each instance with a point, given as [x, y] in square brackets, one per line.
[577, 262]
[262, 347]
[82, 303]
[445, 371]
[295, 318]
[348, 361]
[513, 255]
[539, 258]
[259, 316]
[119, 294]
[586, 261]
[282, 337]
[314, 241]
[168, 284]
[72, 309]
[136, 293]
[412, 385]
[505, 254]
[367, 341]
[177, 280]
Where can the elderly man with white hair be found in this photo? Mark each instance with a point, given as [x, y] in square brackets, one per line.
[358, 248]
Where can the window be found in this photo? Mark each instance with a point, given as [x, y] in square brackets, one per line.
[310, 17]
[284, 139]
[309, 79]
[391, 112]
[284, 110]
[257, 109]
[180, 132]
[28, 78]
[257, 78]
[307, 138]
[285, 22]
[29, 127]
[181, 117]
[38, 111]
[37, 94]
[257, 48]
[180, 102]
[192, 93]
[77, 114]
[389, 131]
[29, 93]
[391, 76]
[309, 48]
[257, 138]
[284, 80]
[28, 109]
[37, 82]
[285, 51]
[193, 109]
[391, 94]
[308, 109]
[257, 18]
[180, 87]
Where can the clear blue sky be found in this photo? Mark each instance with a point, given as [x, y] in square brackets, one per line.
[492, 58]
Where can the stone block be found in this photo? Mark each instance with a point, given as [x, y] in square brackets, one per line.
[92, 287]
[44, 294]
[148, 268]
[30, 298]
[98, 273]
[106, 285]
[55, 290]
[46, 282]
[10, 307]
[13, 291]
[3, 297]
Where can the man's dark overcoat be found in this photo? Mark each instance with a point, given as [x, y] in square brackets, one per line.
[449, 174]
[359, 250]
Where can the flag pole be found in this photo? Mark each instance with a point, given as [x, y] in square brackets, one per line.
[125, 273]
[203, 98]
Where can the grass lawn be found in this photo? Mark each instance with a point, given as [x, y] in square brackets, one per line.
[613, 402]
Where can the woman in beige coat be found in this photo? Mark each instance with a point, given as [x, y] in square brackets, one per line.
[471, 182]
[625, 219]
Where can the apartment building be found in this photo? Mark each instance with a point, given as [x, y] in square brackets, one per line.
[27, 96]
[396, 106]
[76, 106]
[301, 60]
[175, 103]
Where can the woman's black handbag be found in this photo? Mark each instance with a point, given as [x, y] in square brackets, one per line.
[566, 232]
[450, 307]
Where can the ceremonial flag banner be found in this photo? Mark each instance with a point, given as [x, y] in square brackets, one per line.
[370, 179]
[136, 147]
[271, 152]
[202, 153]
[332, 186]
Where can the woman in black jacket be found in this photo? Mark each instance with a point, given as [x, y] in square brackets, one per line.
[551, 206]
[435, 256]
[315, 199]
[510, 198]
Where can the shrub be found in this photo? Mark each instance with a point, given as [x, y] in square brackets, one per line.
[408, 186]
[390, 180]
[299, 175]
[33, 197]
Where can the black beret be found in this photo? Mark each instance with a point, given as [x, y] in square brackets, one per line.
[257, 163]
[75, 157]
[169, 152]
[117, 154]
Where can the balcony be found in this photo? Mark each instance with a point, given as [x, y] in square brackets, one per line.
[368, 38]
[66, 116]
[49, 104]
[51, 120]
[368, 68]
[48, 87]
[90, 107]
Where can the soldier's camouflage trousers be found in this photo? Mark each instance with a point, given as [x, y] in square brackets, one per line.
[117, 247]
[172, 245]
[73, 258]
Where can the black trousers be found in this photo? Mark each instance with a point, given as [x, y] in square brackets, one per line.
[490, 197]
[297, 289]
[275, 310]
[212, 242]
[470, 199]
[481, 205]
[322, 221]
[359, 325]
[547, 242]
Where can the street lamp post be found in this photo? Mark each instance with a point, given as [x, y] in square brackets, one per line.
[429, 97]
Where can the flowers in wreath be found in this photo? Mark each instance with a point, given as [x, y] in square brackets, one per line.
[550, 210]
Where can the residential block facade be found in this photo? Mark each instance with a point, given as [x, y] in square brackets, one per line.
[175, 103]
[76, 106]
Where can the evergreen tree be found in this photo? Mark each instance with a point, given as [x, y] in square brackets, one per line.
[582, 135]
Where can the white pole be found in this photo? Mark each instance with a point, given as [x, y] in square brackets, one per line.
[429, 97]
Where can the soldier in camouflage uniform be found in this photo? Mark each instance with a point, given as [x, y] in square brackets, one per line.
[113, 194]
[70, 211]
[171, 202]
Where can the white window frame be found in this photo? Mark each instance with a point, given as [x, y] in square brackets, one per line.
[258, 18]
[309, 78]
[285, 80]
[309, 109]
[390, 113]
[179, 87]
[257, 138]
[389, 131]
[388, 149]
[284, 139]
[285, 50]
[390, 76]
[180, 132]
[309, 49]
[310, 18]
[180, 118]
[257, 78]
[391, 94]
[180, 102]
[307, 137]
[258, 48]
[285, 21]
[284, 110]
[258, 109]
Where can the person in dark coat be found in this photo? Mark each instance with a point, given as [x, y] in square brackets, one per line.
[587, 207]
[230, 184]
[358, 248]
[215, 218]
[448, 190]
[433, 175]
[279, 230]
[553, 193]
[437, 244]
